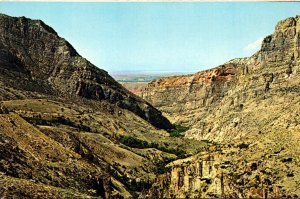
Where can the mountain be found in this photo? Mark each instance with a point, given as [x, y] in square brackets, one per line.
[225, 102]
[249, 108]
[33, 49]
[68, 129]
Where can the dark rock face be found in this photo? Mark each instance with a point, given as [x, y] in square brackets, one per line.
[34, 49]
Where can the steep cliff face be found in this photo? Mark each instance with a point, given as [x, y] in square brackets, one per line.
[34, 50]
[179, 94]
[250, 108]
[230, 101]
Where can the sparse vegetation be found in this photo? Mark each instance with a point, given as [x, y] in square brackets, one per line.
[135, 142]
[142, 144]
[178, 131]
[53, 120]
[161, 165]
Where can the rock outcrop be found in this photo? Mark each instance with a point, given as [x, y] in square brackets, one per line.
[33, 49]
[227, 172]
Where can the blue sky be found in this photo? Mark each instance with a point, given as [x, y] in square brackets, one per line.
[159, 36]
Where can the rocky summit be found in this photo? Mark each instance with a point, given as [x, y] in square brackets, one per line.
[69, 130]
[249, 108]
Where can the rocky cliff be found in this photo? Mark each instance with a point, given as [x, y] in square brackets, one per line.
[230, 100]
[264, 168]
[249, 108]
[33, 49]
[192, 92]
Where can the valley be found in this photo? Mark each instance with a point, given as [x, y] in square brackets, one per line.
[70, 130]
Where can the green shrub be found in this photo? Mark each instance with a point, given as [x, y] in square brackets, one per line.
[142, 144]
[134, 142]
[178, 131]
[161, 165]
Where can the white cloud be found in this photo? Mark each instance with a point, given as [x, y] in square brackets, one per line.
[254, 45]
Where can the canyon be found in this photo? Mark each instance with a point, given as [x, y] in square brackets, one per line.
[69, 130]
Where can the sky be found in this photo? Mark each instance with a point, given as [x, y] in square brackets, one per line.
[172, 37]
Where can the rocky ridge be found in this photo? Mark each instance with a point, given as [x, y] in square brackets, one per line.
[249, 108]
[218, 102]
[33, 49]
